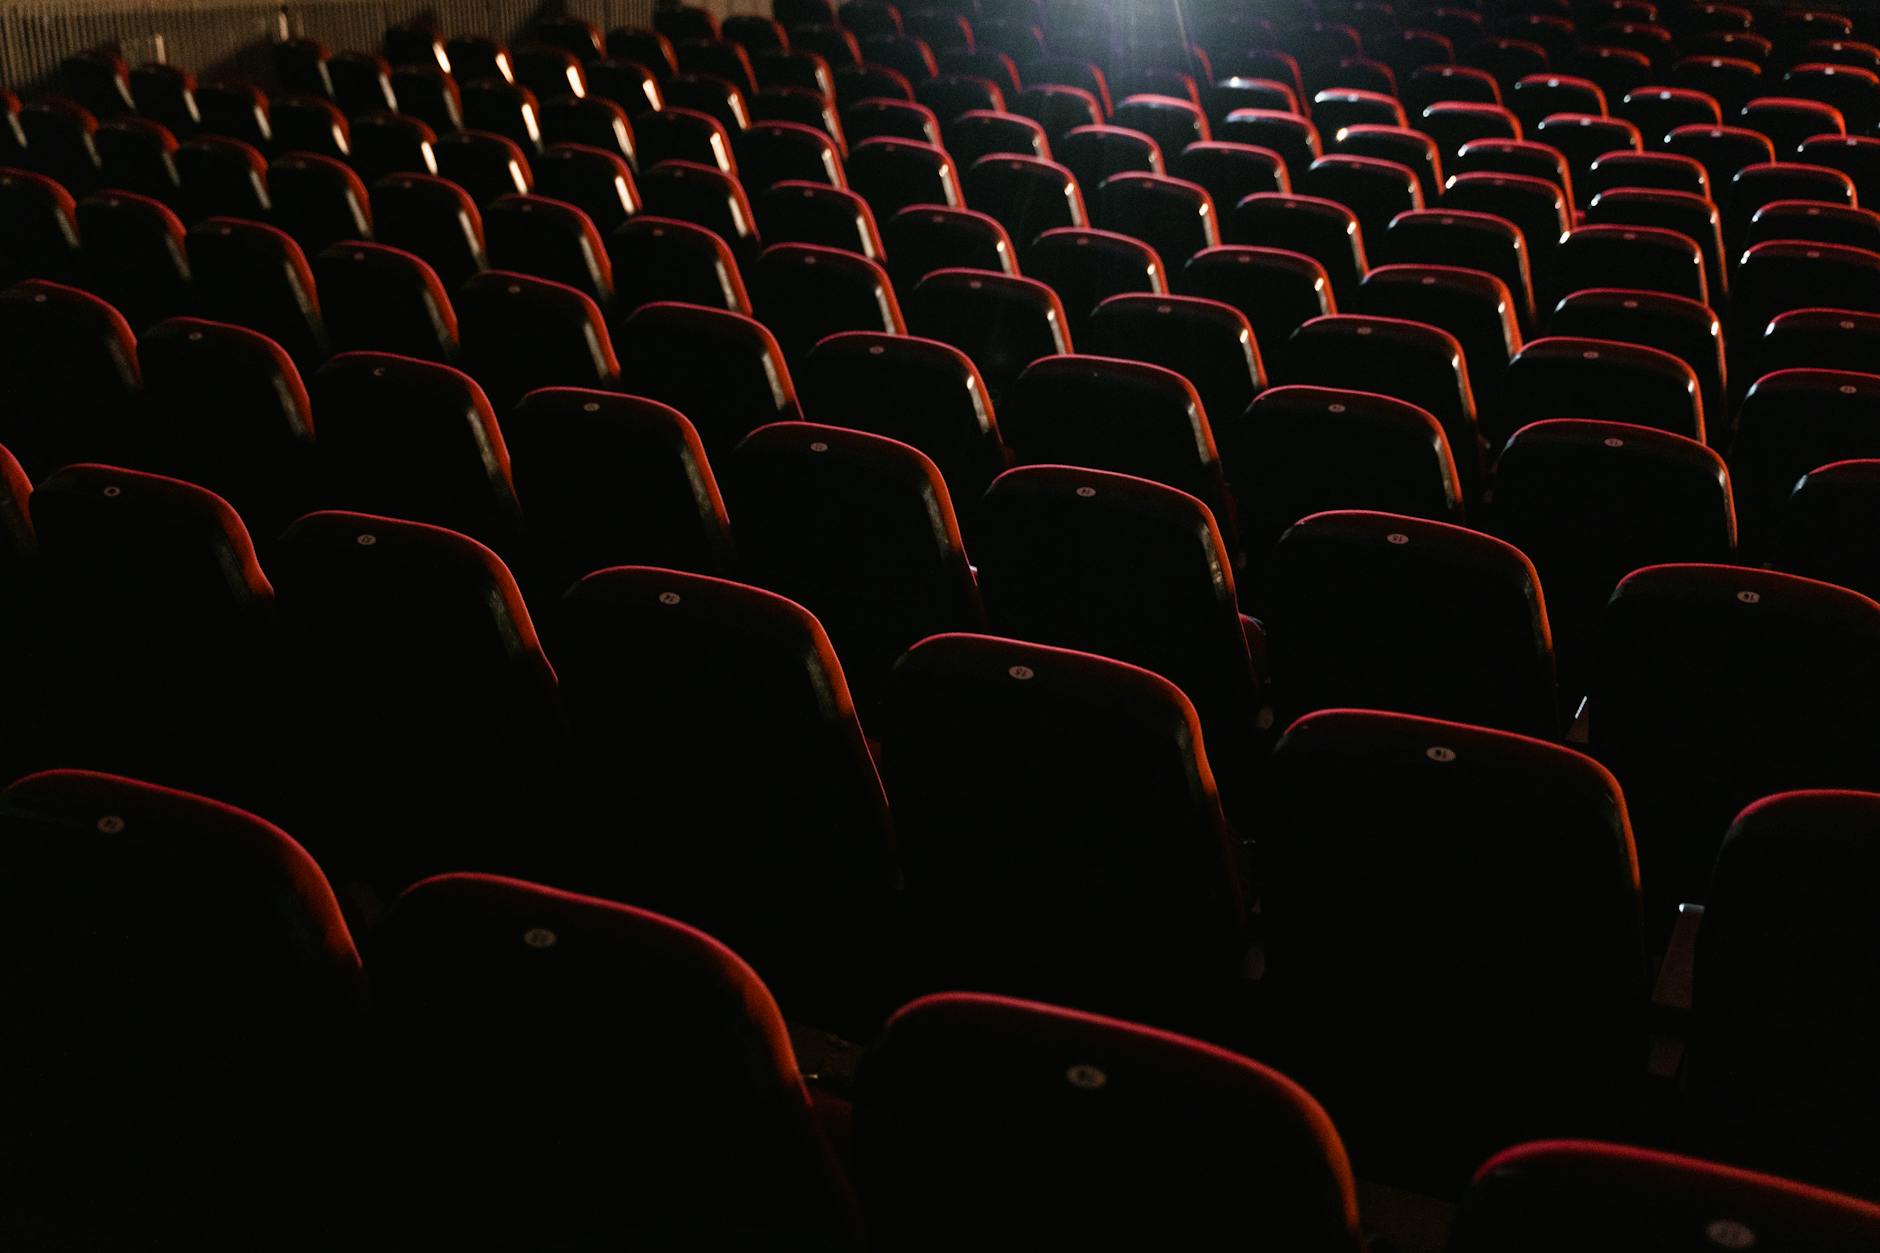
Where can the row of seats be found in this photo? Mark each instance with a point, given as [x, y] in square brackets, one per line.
[1014, 668]
[1365, 608]
[685, 344]
[1784, 281]
[497, 1063]
[695, 748]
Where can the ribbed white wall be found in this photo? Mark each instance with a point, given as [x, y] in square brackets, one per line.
[231, 36]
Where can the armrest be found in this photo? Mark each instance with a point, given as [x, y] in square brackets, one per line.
[1256, 642]
[1256, 649]
[1672, 992]
[827, 1062]
[1577, 732]
[1671, 996]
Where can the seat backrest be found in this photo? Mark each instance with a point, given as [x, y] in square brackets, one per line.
[495, 1037]
[226, 409]
[128, 903]
[1793, 422]
[413, 440]
[1065, 410]
[1300, 450]
[608, 480]
[70, 375]
[520, 333]
[920, 391]
[1556, 1196]
[1125, 568]
[1003, 322]
[1105, 1130]
[725, 372]
[723, 707]
[1084, 782]
[1716, 685]
[256, 276]
[1383, 611]
[418, 715]
[1375, 902]
[860, 531]
[1795, 869]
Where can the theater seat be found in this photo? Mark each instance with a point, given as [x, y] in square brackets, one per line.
[1382, 611]
[1429, 1046]
[134, 256]
[1093, 153]
[609, 480]
[1027, 195]
[1590, 502]
[138, 155]
[1410, 361]
[722, 776]
[494, 1038]
[1174, 217]
[1793, 422]
[413, 440]
[1084, 782]
[593, 180]
[1125, 568]
[157, 629]
[919, 391]
[1374, 190]
[1003, 322]
[655, 258]
[549, 239]
[1475, 241]
[520, 333]
[384, 144]
[1564, 376]
[1122, 416]
[429, 94]
[1561, 1196]
[1827, 530]
[128, 904]
[805, 293]
[1797, 709]
[1473, 305]
[1631, 256]
[1682, 327]
[69, 374]
[1277, 290]
[1208, 342]
[1085, 267]
[722, 370]
[257, 276]
[891, 173]
[921, 239]
[226, 410]
[1779, 1016]
[38, 229]
[222, 177]
[415, 715]
[860, 531]
[1322, 229]
[977, 1113]
[381, 299]
[319, 201]
[1301, 450]
[483, 163]
[433, 219]
[768, 153]
[984, 133]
